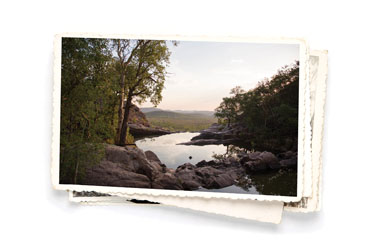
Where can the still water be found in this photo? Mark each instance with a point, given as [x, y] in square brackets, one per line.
[173, 155]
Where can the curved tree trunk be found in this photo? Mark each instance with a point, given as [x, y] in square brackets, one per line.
[121, 109]
[124, 127]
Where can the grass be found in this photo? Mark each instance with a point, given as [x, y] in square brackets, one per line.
[180, 122]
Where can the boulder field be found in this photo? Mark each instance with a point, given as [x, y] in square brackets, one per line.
[131, 167]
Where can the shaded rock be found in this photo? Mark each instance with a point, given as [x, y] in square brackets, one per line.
[287, 155]
[167, 181]
[216, 178]
[252, 156]
[289, 163]
[136, 116]
[139, 130]
[260, 161]
[268, 158]
[230, 161]
[255, 166]
[135, 160]
[107, 173]
[187, 176]
[117, 154]
[151, 156]
[201, 163]
[211, 162]
[219, 181]
[202, 142]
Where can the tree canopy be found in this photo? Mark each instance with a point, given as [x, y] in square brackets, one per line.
[269, 112]
[100, 80]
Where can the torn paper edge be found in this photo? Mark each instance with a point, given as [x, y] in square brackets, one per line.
[270, 212]
[313, 203]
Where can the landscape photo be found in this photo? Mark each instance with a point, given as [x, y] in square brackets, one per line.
[201, 116]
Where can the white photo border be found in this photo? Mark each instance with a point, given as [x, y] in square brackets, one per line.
[302, 145]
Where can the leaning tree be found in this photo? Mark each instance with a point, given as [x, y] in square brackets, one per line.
[143, 76]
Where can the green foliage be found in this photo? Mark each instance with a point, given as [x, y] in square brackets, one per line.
[142, 69]
[87, 104]
[269, 112]
[130, 138]
[95, 82]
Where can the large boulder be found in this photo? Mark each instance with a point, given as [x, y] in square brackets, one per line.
[270, 160]
[107, 173]
[260, 161]
[151, 156]
[187, 176]
[135, 160]
[219, 181]
[167, 181]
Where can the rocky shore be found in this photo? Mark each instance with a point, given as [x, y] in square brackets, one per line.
[216, 135]
[139, 130]
[132, 167]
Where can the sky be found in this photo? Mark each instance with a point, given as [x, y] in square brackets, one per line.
[200, 74]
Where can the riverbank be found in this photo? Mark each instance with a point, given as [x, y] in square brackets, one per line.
[133, 167]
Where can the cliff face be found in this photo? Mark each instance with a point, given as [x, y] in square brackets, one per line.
[139, 126]
[136, 116]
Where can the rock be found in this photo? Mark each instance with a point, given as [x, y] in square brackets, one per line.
[201, 163]
[289, 163]
[219, 181]
[118, 154]
[287, 155]
[136, 116]
[213, 178]
[202, 142]
[211, 162]
[187, 176]
[268, 158]
[231, 161]
[255, 166]
[260, 161]
[151, 156]
[138, 130]
[252, 156]
[107, 173]
[135, 160]
[167, 181]
[190, 185]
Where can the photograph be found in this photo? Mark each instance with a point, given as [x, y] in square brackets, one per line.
[182, 115]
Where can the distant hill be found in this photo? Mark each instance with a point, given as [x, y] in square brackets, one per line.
[150, 109]
[185, 121]
[175, 115]
[201, 112]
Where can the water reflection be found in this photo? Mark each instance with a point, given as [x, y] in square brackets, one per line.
[280, 182]
[173, 155]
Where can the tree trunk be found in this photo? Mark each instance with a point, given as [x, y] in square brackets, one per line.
[76, 170]
[124, 127]
[121, 109]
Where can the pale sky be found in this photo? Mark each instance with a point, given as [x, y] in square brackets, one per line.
[202, 73]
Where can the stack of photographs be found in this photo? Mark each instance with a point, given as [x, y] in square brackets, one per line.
[224, 125]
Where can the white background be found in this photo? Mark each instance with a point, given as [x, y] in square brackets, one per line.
[32, 214]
